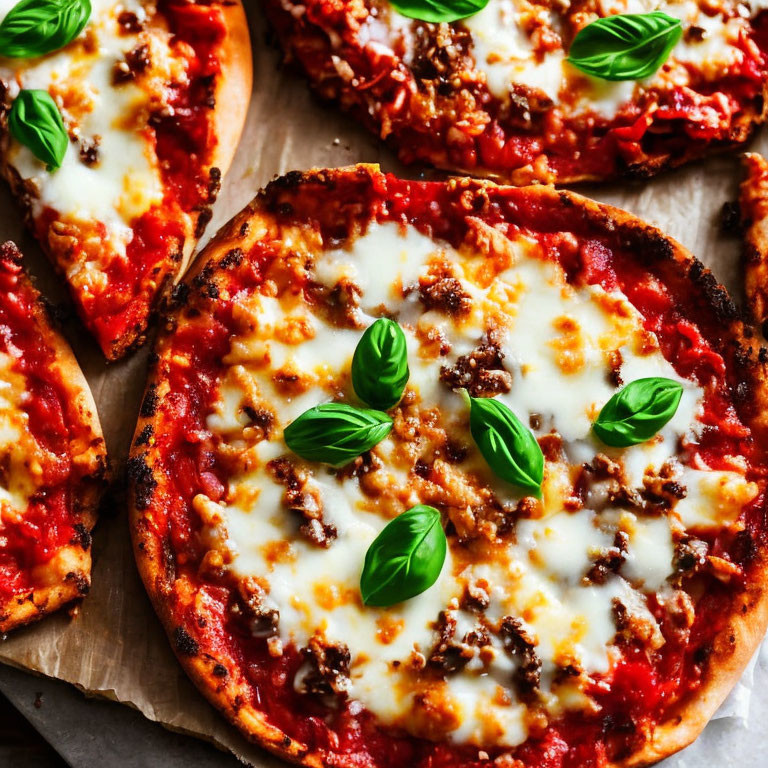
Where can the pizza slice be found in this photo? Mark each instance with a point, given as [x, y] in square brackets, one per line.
[454, 474]
[531, 90]
[118, 121]
[52, 457]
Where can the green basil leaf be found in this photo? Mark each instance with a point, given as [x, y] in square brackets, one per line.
[509, 447]
[36, 27]
[638, 411]
[628, 46]
[380, 365]
[35, 122]
[438, 10]
[405, 558]
[335, 433]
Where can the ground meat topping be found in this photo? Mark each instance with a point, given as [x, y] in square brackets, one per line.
[518, 643]
[609, 560]
[481, 372]
[327, 670]
[441, 291]
[254, 604]
[302, 497]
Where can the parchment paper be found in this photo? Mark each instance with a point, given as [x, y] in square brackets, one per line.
[114, 645]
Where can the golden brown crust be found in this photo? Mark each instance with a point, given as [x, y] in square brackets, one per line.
[69, 571]
[753, 202]
[735, 644]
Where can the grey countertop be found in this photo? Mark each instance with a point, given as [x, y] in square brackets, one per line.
[90, 732]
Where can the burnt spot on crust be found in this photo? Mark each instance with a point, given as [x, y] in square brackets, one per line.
[144, 436]
[219, 670]
[481, 372]
[179, 296]
[718, 298]
[82, 537]
[214, 183]
[184, 642]
[149, 403]
[81, 581]
[204, 216]
[233, 258]
[327, 670]
[518, 643]
[304, 499]
[144, 483]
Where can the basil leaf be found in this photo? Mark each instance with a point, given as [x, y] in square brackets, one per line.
[628, 46]
[380, 365]
[36, 27]
[405, 558]
[335, 433]
[35, 122]
[438, 10]
[638, 411]
[509, 447]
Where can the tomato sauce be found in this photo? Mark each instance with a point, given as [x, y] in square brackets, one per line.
[48, 521]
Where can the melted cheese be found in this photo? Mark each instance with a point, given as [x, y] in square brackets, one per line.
[557, 341]
[126, 181]
[20, 468]
[504, 50]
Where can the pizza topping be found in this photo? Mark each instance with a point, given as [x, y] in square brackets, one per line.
[507, 445]
[380, 365]
[335, 433]
[405, 559]
[638, 411]
[36, 27]
[629, 46]
[481, 372]
[437, 11]
[35, 122]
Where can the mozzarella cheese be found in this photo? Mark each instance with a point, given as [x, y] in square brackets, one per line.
[559, 344]
[504, 49]
[126, 180]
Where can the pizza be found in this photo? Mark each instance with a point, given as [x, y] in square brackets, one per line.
[453, 474]
[118, 121]
[52, 457]
[525, 91]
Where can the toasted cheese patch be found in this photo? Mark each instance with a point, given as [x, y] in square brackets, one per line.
[529, 588]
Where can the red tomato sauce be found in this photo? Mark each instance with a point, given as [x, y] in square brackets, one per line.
[47, 523]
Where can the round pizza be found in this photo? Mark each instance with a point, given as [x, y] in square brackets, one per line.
[454, 474]
[117, 121]
[526, 90]
[52, 457]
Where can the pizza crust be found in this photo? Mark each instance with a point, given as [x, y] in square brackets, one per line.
[70, 568]
[171, 598]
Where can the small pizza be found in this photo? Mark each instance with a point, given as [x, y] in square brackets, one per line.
[454, 474]
[52, 457]
[118, 120]
[547, 91]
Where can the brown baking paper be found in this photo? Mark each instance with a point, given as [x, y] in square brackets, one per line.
[114, 645]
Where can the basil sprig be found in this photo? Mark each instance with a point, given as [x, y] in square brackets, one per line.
[336, 433]
[380, 365]
[628, 46]
[509, 447]
[35, 122]
[638, 411]
[438, 10]
[405, 558]
[35, 27]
